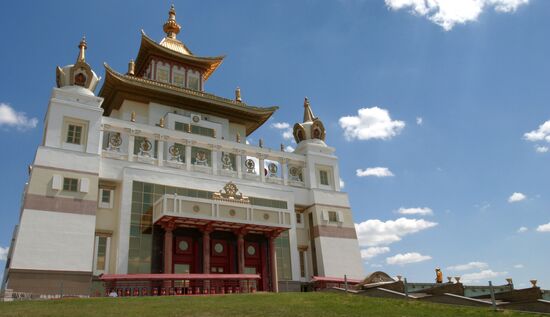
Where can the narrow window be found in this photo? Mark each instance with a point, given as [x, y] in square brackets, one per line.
[193, 82]
[323, 176]
[106, 198]
[332, 216]
[302, 264]
[298, 218]
[74, 134]
[70, 184]
[101, 263]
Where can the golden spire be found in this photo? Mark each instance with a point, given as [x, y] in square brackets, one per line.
[308, 114]
[81, 54]
[171, 27]
[238, 95]
[131, 68]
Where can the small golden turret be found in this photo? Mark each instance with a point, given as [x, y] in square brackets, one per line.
[133, 116]
[131, 68]
[238, 137]
[171, 27]
[238, 95]
[161, 123]
[82, 53]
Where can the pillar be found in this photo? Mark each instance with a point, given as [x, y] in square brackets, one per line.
[273, 264]
[240, 251]
[261, 168]
[206, 250]
[168, 248]
[131, 140]
[188, 157]
[239, 165]
[160, 152]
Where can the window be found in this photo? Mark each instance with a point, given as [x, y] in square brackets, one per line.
[193, 82]
[195, 129]
[101, 256]
[106, 198]
[162, 75]
[74, 134]
[179, 80]
[70, 184]
[323, 177]
[298, 218]
[332, 216]
[302, 263]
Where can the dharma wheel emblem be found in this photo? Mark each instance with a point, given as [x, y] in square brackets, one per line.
[174, 150]
[272, 167]
[231, 193]
[250, 165]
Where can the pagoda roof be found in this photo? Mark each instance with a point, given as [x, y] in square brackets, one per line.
[176, 51]
[119, 87]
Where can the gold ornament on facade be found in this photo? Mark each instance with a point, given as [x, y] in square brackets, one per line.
[161, 122]
[230, 192]
[133, 116]
[131, 68]
[238, 95]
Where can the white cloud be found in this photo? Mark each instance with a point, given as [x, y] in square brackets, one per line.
[519, 266]
[286, 129]
[541, 149]
[516, 197]
[407, 258]
[371, 123]
[423, 211]
[544, 228]
[448, 13]
[3, 253]
[342, 183]
[374, 232]
[469, 266]
[374, 171]
[419, 120]
[540, 134]
[482, 275]
[522, 229]
[376, 265]
[289, 148]
[11, 118]
[372, 252]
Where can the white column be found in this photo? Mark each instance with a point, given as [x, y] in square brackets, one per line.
[124, 225]
[131, 139]
[188, 157]
[239, 164]
[284, 171]
[261, 168]
[160, 152]
[215, 161]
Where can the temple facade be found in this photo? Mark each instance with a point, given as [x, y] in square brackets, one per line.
[153, 175]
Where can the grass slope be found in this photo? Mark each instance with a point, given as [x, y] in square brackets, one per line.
[245, 305]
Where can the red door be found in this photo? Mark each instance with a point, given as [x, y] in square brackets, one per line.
[220, 257]
[253, 261]
[184, 255]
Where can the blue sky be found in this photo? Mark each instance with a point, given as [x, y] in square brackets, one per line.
[449, 92]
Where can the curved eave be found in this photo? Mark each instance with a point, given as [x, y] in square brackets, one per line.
[149, 47]
[118, 87]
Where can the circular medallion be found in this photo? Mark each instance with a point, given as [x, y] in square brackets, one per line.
[218, 247]
[183, 245]
[266, 216]
[251, 250]
[272, 168]
[249, 163]
[196, 119]
[146, 145]
[293, 171]
[232, 212]
[173, 150]
[196, 208]
[115, 140]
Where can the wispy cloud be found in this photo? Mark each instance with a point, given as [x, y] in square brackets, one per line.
[541, 149]
[19, 120]
[419, 120]
[468, 266]
[448, 13]
[481, 276]
[3, 253]
[522, 229]
[516, 197]
[371, 123]
[374, 171]
[540, 134]
[373, 252]
[407, 258]
[285, 129]
[544, 228]
[422, 211]
[519, 266]
[374, 232]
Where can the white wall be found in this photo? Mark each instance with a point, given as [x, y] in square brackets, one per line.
[54, 241]
[341, 257]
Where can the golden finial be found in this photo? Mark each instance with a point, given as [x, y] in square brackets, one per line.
[133, 116]
[238, 95]
[161, 122]
[308, 114]
[131, 67]
[171, 27]
[238, 137]
[82, 46]
[261, 142]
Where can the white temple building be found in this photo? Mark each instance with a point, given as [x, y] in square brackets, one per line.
[153, 175]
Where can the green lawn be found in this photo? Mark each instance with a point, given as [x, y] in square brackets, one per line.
[245, 305]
